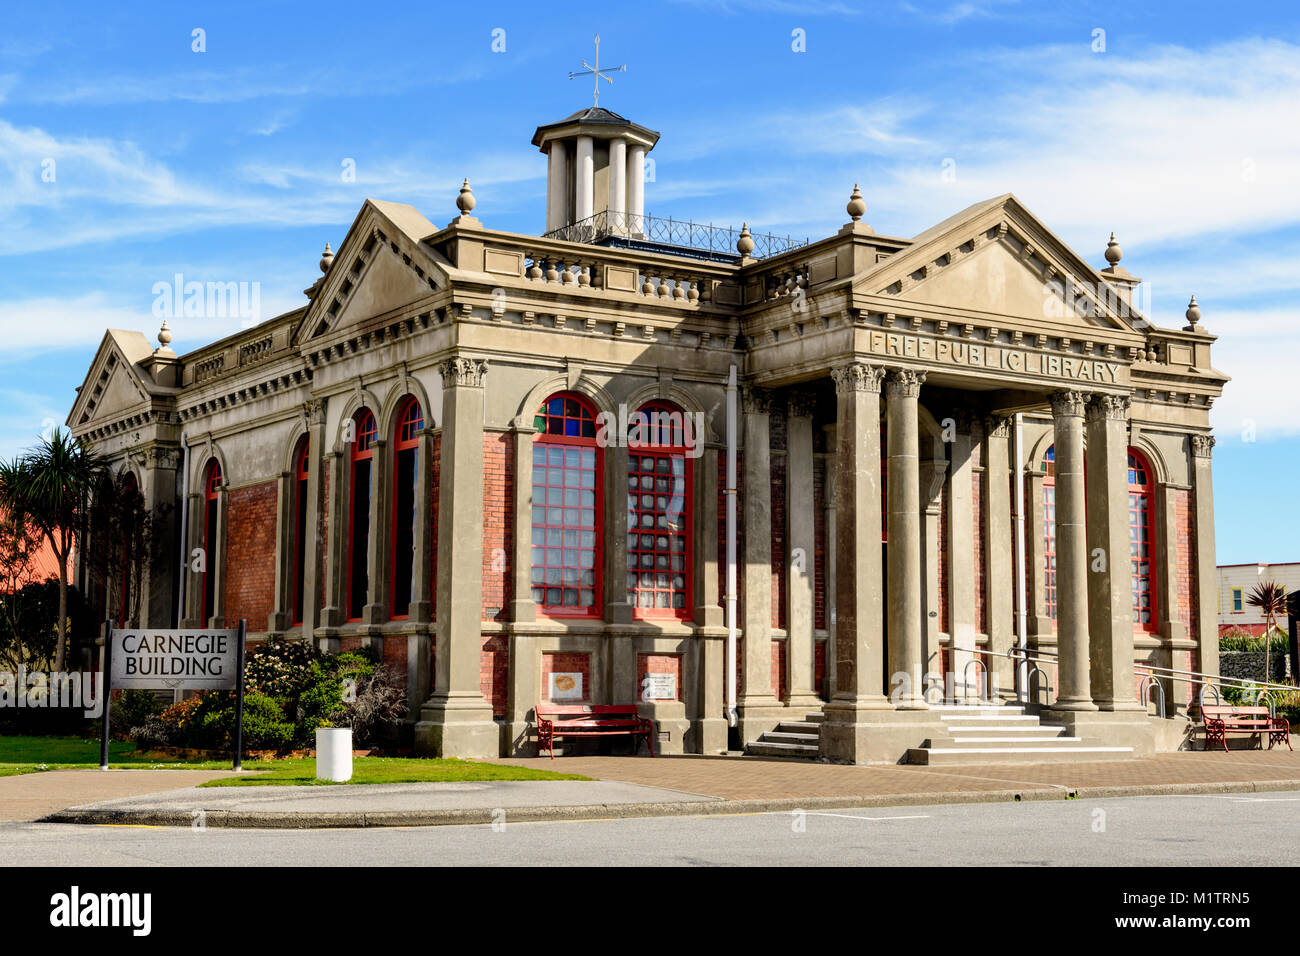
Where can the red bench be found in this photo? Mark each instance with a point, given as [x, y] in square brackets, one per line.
[591, 720]
[1223, 720]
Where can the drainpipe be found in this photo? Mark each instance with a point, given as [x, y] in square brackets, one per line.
[731, 547]
[1022, 615]
[183, 564]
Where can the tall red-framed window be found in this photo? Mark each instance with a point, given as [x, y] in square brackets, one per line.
[211, 514]
[362, 464]
[301, 465]
[406, 443]
[130, 490]
[659, 513]
[1049, 531]
[1142, 555]
[567, 487]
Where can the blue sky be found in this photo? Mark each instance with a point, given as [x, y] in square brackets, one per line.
[1182, 135]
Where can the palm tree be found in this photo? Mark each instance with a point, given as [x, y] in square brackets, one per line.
[49, 485]
[1270, 598]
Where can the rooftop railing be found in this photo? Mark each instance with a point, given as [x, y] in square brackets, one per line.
[646, 232]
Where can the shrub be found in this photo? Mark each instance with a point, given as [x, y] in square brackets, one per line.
[133, 709]
[280, 668]
[264, 725]
[1239, 640]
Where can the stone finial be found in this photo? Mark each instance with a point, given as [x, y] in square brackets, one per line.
[465, 202]
[1113, 252]
[745, 244]
[326, 258]
[1193, 313]
[857, 206]
[164, 337]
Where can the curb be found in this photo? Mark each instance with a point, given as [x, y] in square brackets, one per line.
[289, 820]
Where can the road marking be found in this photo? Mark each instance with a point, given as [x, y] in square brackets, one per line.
[852, 816]
[131, 826]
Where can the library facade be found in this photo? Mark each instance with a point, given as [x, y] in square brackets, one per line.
[739, 480]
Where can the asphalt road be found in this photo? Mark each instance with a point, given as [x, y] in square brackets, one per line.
[1240, 830]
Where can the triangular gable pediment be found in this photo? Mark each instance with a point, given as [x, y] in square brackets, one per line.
[381, 265]
[115, 384]
[996, 258]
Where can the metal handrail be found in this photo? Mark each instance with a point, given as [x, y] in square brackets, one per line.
[1044, 685]
[980, 686]
[674, 232]
[1150, 683]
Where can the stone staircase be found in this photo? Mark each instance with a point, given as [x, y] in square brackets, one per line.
[791, 738]
[997, 733]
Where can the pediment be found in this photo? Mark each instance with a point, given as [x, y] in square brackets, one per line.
[380, 266]
[1000, 260]
[115, 385]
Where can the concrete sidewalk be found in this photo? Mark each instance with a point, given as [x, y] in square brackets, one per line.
[29, 796]
[674, 786]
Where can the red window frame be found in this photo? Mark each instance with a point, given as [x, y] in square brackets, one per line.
[655, 560]
[363, 453]
[406, 441]
[300, 471]
[1049, 531]
[1141, 535]
[211, 515]
[561, 537]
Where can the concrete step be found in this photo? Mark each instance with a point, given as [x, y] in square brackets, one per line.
[1001, 740]
[1043, 730]
[761, 748]
[977, 708]
[955, 719]
[959, 756]
[799, 727]
[781, 736]
[816, 717]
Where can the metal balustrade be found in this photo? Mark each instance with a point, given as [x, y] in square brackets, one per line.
[627, 229]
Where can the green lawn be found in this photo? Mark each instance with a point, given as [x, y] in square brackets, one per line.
[36, 754]
[302, 772]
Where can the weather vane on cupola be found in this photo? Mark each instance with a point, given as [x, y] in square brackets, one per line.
[597, 73]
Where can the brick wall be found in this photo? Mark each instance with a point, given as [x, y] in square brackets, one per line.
[494, 673]
[566, 663]
[942, 560]
[250, 554]
[778, 468]
[322, 539]
[435, 494]
[498, 531]
[819, 668]
[977, 507]
[1186, 569]
[394, 654]
[778, 668]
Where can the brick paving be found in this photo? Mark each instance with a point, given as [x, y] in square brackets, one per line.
[756, 778]
[30, 796]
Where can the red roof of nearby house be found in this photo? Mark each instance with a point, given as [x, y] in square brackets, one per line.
[44, 564]
[1254, 629]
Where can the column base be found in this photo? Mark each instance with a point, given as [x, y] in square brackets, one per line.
[1074, 705]
[1108, 728]
[710, 736]
[862, 732]
[671, 725]
[805, 702]
[519, 740]
[758, 715]
[457, 727]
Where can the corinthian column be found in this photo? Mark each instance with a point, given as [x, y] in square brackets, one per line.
[1071, 553]
[902, 388]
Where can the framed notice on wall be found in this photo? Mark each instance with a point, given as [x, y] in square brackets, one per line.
[659, 687]
[565, 686]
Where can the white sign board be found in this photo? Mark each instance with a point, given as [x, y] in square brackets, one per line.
[565, 686]
[659, 687]
[188, 660]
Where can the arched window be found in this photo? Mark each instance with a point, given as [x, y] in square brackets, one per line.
[211, 514]
[406, 443]
[130, 491]
[363, 453]
[566, 548]
[1141, 553]
[300, 471]
[1049, 531]
[659, 512]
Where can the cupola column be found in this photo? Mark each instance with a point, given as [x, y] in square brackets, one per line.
[584, 195]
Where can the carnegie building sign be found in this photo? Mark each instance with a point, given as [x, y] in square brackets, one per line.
[417, 460]
[181, 660]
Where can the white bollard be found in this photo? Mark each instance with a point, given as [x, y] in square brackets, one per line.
[334, 754]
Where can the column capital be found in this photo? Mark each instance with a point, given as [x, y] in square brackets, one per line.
[758, 401]
[998, 426]
[857, 377]
[904, 382]
[1069, 404]
[800, 404]
[1202, 446]
[467, 372]
[313, 411]
[1114, 408]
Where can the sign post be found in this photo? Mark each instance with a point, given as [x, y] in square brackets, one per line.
[106, 692]
[239, 696]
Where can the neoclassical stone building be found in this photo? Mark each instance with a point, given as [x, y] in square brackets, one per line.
[440, 455]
